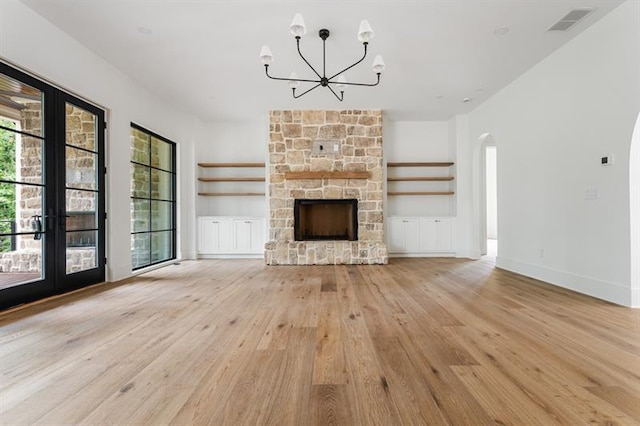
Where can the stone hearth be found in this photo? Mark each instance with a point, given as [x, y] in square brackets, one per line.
[358, 135]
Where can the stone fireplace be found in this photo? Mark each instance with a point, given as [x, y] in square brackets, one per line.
[325, 188]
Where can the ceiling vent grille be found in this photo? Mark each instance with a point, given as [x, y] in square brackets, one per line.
[570, 19]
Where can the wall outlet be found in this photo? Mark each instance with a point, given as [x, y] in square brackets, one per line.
[591, 193]
[325, 147]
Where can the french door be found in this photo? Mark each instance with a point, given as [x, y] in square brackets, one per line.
[52, 210]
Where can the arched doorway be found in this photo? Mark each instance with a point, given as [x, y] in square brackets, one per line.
[486, 178]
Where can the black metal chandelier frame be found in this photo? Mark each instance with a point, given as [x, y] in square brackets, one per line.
[323, 80]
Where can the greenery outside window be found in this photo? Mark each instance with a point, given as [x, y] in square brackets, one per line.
[153, 198]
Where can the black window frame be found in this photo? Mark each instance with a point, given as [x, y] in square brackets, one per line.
[150, 199]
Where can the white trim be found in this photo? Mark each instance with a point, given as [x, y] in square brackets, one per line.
[434, 254]
[469, 254]
[634, 214]
[479, 171]
[611, 292]
[190, 255]
[232, 256]
[152, 267]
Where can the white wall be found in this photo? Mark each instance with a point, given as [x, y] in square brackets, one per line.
[551, 127]
[233, 143]
[32, 43]
[418, 141]
[465, 197]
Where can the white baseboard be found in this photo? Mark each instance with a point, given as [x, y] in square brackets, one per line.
[189, 255]
[124, 271]
[232, 256]
[443, 254]
[469, 254]
[635, 297]
[611, 292]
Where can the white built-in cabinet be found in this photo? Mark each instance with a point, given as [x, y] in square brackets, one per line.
[436, 234]
[227, 235]
[248, 235]
[214, 235]
[420, 236]
[404, 234]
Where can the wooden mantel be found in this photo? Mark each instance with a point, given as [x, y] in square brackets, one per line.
[327, 175]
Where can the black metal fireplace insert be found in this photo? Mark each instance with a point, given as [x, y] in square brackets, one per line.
[326, 219]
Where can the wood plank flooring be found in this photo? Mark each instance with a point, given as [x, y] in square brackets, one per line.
[233, 342]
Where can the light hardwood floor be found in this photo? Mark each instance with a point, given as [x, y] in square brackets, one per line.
[231, 342]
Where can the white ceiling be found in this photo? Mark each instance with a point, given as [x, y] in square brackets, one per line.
[202, 56]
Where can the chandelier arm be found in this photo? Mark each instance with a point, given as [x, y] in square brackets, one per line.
[336, 95]
[304, 59]
[303, 93]
[266, 68]
[353, 65]
[346, 83]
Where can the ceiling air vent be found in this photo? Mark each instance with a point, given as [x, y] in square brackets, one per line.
[570, 19]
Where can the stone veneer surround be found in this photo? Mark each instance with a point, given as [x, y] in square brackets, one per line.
[291, 135]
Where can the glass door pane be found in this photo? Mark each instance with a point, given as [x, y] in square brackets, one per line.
[81, 189]
[22, 194]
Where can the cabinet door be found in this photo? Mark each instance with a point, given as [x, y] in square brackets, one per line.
[257, 236]
[403, 235]
[444, 235]
[248, 235]
[411, 235]
[429, 235]
[213, 235]
[436, 235]
[396, 235]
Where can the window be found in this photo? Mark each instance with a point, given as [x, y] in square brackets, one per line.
[153, 198]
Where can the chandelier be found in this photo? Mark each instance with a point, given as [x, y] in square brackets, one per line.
[298, 29]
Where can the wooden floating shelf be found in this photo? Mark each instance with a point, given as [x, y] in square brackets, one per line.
[420, 178]
[222, 194]
[327, 175]
[231, 164]
[231, 179]
[422, 193]
[414, 164]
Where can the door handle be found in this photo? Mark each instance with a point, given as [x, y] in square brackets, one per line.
[36, 226]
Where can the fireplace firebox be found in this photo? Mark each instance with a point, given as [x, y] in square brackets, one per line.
[326, 219]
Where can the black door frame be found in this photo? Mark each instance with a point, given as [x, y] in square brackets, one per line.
[53, 260]
[64, 281]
